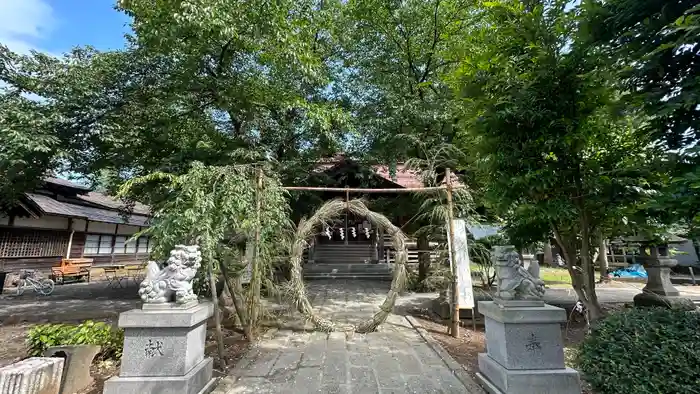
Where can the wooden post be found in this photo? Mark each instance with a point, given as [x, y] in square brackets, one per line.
[380, 243]
[692, 275]
[454, 327]
[114, 240]
[347, 212]
[312, 246]
[373, 239]
[612, 255]
[255, 279]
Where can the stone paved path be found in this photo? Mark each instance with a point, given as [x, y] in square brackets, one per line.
[394, 360]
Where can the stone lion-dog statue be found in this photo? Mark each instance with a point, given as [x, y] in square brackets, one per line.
[173, 283]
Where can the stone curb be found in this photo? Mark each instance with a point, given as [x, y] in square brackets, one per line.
[223, 385]
[456, 368]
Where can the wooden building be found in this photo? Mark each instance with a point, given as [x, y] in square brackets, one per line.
[63, 220]
[350, 239]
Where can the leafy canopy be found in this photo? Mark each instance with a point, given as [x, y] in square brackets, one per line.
[214, 206]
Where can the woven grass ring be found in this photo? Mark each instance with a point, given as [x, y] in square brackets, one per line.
[322, 217]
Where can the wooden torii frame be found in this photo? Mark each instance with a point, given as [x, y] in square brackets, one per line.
[448, 188]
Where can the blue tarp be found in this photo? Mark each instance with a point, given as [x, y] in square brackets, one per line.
[633, 271]
[483, 230]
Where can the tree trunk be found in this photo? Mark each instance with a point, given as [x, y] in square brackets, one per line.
[582, 277]
[423, 257]
[236, 291]
[228, 314]
[603, 257]
[217, 314]
[588, 268]
[548, 257]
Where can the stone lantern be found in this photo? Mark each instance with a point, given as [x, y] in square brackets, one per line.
[657, 261]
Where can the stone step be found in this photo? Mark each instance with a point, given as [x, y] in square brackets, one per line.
[339, 255]
[360, 268]
[343, 251]
[341, 245]
[366, 276]
[342, 260]
[344, 247]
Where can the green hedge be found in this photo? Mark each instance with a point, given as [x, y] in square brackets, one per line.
[44, 336]
[643, 351]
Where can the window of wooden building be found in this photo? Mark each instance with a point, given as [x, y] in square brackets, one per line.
[107, 244]
[32, 243]
[120, 244]
[130, 247]
[143, 245]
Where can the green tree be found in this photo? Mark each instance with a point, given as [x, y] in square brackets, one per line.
[217, 82]
[653, 48]
[555, 157]
[219, 208]
[29, 150]
[395, 61]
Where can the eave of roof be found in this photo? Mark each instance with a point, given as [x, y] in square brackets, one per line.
[111, 203]
[48, 205]
[66, 183]
[83, 193]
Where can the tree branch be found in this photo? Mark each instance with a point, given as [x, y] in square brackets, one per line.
[436, 34]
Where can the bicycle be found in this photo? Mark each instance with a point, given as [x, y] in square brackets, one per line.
[27, 278]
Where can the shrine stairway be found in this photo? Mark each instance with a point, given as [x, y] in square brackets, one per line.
[340, 261]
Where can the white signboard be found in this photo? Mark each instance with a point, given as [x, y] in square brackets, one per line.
[465, 292]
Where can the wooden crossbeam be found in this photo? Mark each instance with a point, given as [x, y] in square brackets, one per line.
[365, 190]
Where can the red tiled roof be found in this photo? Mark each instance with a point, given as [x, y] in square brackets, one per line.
[404, 177]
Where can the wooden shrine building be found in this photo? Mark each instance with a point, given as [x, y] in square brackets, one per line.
[63, 220]
[352, 240]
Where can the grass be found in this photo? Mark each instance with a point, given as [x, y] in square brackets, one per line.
[552, 277]
[555, 276]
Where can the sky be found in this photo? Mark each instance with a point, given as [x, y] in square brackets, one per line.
[56, 26]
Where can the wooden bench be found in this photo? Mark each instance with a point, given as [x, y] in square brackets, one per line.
[71, 269]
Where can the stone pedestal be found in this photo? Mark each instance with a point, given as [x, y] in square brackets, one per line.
[76, 370]
[34, 375]
[659, 291]
[525, 352]
[164, 350]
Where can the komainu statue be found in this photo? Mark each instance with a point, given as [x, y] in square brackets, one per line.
[174, 282]
[514, 281]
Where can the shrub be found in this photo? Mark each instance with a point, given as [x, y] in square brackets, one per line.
[643, 351]
[44, 336]
[438, 279]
